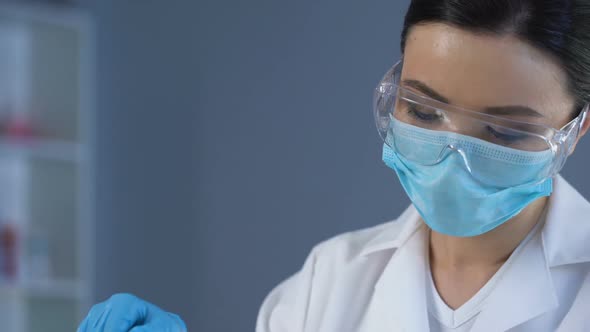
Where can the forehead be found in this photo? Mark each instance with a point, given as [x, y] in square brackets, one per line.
[478, 71]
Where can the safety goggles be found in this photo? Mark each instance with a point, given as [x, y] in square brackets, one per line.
[438, 129]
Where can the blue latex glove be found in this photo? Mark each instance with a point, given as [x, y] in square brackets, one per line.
[127, 313]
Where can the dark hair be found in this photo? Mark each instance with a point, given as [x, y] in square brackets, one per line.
[559, 28]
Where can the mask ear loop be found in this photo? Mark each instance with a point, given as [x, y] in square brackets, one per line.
[582, 120]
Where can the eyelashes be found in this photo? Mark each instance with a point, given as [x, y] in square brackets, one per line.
[432, 117]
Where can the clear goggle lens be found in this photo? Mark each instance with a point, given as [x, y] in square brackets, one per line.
[411, 112]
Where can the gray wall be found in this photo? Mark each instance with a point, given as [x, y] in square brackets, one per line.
[145, 191]
[233, 136]
[288, 152]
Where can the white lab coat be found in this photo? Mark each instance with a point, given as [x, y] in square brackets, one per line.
[373, 279]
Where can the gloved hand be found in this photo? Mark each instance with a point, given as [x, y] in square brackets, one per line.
[127, 313]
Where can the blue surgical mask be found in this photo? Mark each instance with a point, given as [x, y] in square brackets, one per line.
[448, 196]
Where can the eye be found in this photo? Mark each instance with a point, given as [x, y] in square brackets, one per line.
[426, 115]
[506, 137]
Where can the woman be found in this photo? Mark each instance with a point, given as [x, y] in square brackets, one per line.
[478, 118]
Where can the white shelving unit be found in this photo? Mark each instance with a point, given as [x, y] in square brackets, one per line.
[46, 177]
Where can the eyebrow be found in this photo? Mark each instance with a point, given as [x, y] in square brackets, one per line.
[495, 110]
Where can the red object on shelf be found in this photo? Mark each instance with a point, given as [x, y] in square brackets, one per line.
[19, 127]
[8, 250]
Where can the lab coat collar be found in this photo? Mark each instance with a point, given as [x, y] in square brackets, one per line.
[567, 228]
[396, 233]
[400, 298]
[399, 302]
[526, 291]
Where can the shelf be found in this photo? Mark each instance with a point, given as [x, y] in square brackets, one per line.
[41, 148]
[46, 169]
[61, 15]
[65, 289]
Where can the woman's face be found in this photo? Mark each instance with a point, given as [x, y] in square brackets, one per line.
[496, 74]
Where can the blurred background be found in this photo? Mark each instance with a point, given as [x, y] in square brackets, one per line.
[189, 152]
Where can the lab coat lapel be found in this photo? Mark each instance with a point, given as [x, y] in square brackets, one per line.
[525, 292]
[566, 237]
[399, 300]
[566, 234]
[578, 319]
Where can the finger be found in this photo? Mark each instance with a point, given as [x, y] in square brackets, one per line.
[178, 321]
[93, 317]
[83, 326]
[103, 318]
[127, 311]
[162, 321]
[156, 315]
[160, 325]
